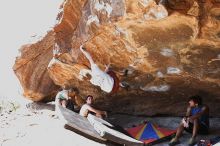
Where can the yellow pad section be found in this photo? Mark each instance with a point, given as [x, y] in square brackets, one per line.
[138, 136]
[158, 132]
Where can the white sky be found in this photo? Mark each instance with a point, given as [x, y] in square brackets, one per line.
[19, 20]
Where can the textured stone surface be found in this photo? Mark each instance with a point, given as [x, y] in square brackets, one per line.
[31, 69]
[170, 52]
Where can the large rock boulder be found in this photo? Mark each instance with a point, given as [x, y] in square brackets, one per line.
[31, 69]
[163, 51]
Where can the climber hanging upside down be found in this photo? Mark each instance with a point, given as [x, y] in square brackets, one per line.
[106, 80]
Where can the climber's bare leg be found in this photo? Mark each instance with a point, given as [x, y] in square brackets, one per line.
[88, 56]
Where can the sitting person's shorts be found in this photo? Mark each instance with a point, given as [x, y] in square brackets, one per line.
[203, 129]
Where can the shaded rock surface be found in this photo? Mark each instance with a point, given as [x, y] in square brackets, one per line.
[166, 51]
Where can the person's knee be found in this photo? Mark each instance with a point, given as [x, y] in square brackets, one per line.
[99, 115]
[181, 125]
[195, 121]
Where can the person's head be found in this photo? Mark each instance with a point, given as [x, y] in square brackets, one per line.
[195, 101]
[89, 99]
[108, 68]
[73, 91]
[87, 77]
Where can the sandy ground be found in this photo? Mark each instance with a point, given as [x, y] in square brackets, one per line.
[28, 128]
[37, 127]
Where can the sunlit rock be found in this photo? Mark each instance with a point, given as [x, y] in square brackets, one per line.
[161, 52]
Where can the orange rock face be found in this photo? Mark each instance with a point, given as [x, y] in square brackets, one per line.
[31, 69]
[163, 52]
